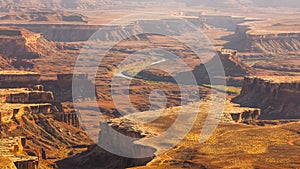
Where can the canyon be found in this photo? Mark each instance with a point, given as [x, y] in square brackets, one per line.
[42, 41]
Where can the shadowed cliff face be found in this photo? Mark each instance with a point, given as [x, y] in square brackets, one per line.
[277, 99]
[233, 67]
[97, 157]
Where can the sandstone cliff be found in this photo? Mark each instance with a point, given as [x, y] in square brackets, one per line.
[47, 138]
[278, 97]
[264, 42]
[97, 157]
[21, 43]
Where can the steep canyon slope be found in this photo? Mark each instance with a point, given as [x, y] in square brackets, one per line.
[277, 96]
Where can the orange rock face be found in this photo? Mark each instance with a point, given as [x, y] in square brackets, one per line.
[278, 97]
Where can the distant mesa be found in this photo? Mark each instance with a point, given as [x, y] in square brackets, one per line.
[44, 16]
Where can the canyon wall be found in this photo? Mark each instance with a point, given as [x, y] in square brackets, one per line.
[62, 87]
[81, 32]
[270, 43]
[233, 69]
[110, 135]
[281, 43]
[21, 43]
[75, 32]
[10, 79]
[278, 97]
[69, 118]
[244, 116]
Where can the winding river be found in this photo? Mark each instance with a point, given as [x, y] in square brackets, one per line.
[121, 74]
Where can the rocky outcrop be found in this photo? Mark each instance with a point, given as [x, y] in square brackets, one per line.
[12, 148]
[278, 97]
[110, 135]
[47, 127]
[110, 138]
[69, 118]
[6, 163]
[21, 43]
[45, 136]
[235, 113]
[244, 116]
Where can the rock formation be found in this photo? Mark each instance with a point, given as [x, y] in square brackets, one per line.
[278, 97]
[23, 44]
[12, 155]
[235, 113]
[246, 39]
[33, 112]
[10, 79]
[62, 87]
